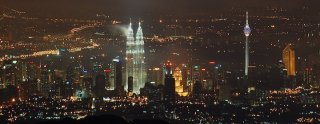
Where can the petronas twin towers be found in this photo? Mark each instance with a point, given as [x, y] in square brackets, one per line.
[135, 59]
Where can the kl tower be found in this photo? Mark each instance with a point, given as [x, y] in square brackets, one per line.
[246, 31]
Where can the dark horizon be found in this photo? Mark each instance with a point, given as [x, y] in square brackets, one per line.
[71, 8]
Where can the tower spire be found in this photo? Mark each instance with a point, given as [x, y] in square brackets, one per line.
[130, 27]
[247, 18]
[139, 22]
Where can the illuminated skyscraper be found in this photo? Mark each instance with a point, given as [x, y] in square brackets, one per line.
[178, 82]
[117, 74]
[135, 59]
[288, 56]
[247, 32]
[178, 78]
[140, 61]
[130, 47]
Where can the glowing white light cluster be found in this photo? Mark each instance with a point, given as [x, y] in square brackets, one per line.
[135, 63]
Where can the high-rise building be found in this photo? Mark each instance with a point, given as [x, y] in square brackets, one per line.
[100, 86]
[130, 86]
[140, 59]
[178, 78]
[8, 73]
[187, 80]
[169, 84]
[46, 78]
[21, 71]
[130, 51]
[135, 58]
[155, 75]
[197, 90]
[110, 77]
[288, 56]
[117, 70]
[32, 71]
[87, 84]
[73, 77]
[109, 80]
[178, 82]
[195, 76]
[247, 32]
[314, 62]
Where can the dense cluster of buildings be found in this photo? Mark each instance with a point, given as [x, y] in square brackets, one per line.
[78, 85]
[73, 80]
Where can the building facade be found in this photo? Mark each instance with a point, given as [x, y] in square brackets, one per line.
[288, 58]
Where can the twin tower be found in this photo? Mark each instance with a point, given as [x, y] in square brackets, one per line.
[135, 60]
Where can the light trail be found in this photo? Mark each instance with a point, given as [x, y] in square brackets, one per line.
[48, 52]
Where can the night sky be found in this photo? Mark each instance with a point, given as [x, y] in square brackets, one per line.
[151, 7]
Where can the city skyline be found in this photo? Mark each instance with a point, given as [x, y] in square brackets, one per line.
[251, 61]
